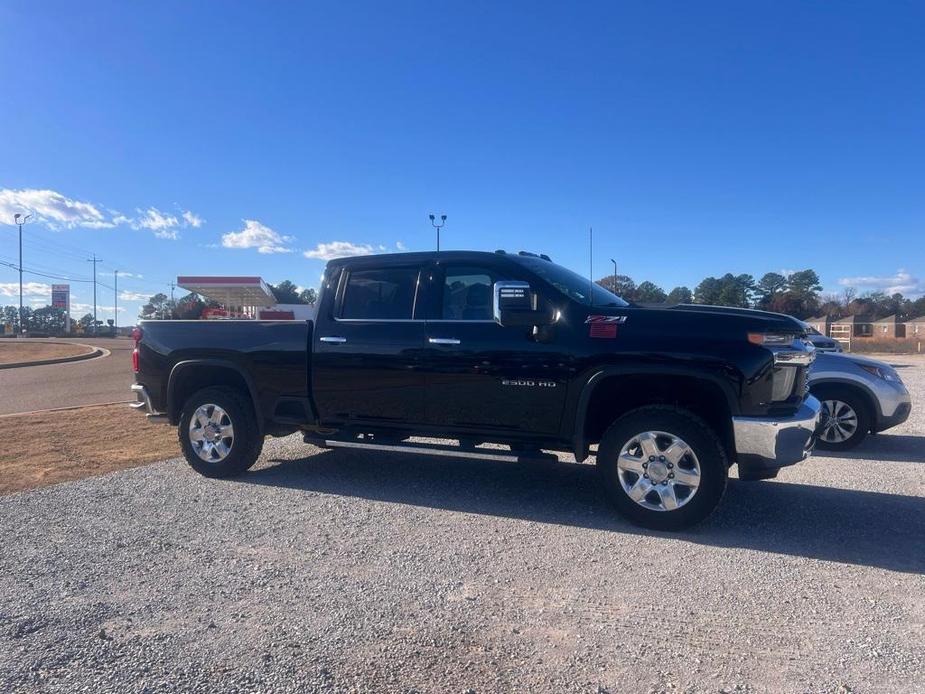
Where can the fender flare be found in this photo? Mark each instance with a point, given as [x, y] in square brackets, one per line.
[173, 407]
[580, 443]
[870, 396]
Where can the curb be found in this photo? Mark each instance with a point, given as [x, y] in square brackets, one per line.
[96, 352]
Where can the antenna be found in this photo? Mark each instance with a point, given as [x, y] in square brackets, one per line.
[590, 266]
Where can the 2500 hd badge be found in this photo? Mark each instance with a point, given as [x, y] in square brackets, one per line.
[527, 383]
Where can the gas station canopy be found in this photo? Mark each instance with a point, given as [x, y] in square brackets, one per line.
[236, 294]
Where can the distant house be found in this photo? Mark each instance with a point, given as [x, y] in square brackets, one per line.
[888, 327]
[820, 324]
[851, 327]
[915, 327]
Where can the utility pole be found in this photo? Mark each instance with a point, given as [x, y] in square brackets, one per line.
[94, 260]
[438, 227]
[172, 287]
[115, 303]
[20, 220]
[613, 284]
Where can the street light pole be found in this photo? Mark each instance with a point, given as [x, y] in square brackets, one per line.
[20, 220]
[614, 283]
[438, 227]
[115, 303]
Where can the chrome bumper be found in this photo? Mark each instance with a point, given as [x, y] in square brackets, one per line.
[144, 403]
[768, 442]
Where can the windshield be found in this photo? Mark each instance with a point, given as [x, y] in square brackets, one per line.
[573, 285]
[810, 329]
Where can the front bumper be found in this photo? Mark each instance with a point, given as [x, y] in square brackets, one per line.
[770, 442]
[144, 403]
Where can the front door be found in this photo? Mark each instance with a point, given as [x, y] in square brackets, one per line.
[481, 375]
[366, 353]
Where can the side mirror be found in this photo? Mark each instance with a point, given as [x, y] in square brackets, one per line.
[515, 305]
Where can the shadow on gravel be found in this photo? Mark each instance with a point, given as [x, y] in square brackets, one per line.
[893, 447]
[855, 527]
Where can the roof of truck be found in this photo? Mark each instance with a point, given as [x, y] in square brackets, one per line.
[417, 256]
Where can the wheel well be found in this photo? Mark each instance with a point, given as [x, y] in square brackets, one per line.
[193, 378]
[616, 395]
[870, 404]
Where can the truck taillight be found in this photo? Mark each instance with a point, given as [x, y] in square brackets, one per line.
[137, 334]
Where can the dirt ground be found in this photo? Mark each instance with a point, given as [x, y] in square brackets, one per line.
[13, 351]
[37, 450]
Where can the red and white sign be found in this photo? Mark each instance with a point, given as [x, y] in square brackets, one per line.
[61, 296]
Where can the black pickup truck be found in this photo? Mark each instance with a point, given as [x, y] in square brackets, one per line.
[502, 348]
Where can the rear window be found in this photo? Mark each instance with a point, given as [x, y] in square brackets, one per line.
[381, 294]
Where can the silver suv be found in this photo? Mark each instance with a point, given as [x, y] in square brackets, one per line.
[858, 395]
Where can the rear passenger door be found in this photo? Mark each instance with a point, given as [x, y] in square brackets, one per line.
[367, 350]
[480, 375]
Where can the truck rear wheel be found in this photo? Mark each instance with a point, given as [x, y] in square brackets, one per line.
[663, 468]
[218, 433]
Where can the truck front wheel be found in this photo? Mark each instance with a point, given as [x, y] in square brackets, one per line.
[218, 433]
[662, 467]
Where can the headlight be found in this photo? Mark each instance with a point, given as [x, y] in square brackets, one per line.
[886, 373]
[771, 339]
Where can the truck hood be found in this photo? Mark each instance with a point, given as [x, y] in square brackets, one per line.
[774, 321]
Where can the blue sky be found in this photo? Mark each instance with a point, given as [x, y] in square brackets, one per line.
[697, 138]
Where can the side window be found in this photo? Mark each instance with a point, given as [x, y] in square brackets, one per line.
[467, 294]
[381, 294]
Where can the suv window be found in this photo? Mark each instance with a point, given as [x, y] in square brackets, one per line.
[467, 294]
[381, 294]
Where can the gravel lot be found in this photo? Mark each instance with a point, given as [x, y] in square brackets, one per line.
[344, 571]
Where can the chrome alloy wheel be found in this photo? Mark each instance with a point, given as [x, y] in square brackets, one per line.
[839, 421]
[211, 433]
[658, 471]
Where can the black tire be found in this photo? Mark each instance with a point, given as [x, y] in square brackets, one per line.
[243, 448]
[702, 442]
[827, 439]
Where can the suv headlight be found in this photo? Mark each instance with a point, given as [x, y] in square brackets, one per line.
[886, 373]
[771, 339]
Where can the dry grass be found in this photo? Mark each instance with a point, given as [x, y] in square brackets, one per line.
[13, 351]
[37, 450]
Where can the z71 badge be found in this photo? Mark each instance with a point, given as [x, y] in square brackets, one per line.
[604, 326]
[526, 383]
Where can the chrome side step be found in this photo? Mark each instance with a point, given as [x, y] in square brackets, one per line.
[443, 451]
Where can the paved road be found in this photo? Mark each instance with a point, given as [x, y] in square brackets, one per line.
[349, 571]
[61, 385]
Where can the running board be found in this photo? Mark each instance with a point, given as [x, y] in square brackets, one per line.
[444, 451]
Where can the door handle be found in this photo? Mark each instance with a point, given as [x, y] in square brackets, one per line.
[333, 339]
[443, 340]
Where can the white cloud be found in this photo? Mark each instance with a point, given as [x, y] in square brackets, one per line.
[257, 235]
[902, 283]
[58, 211]
[338, 249]
[133, 296]
[30, 289]
[88, 308]
[400, 246]
[193, 219]
[164, 225]
[51, 208]
[131, 274]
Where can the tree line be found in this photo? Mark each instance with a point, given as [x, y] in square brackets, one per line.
[796, 294]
